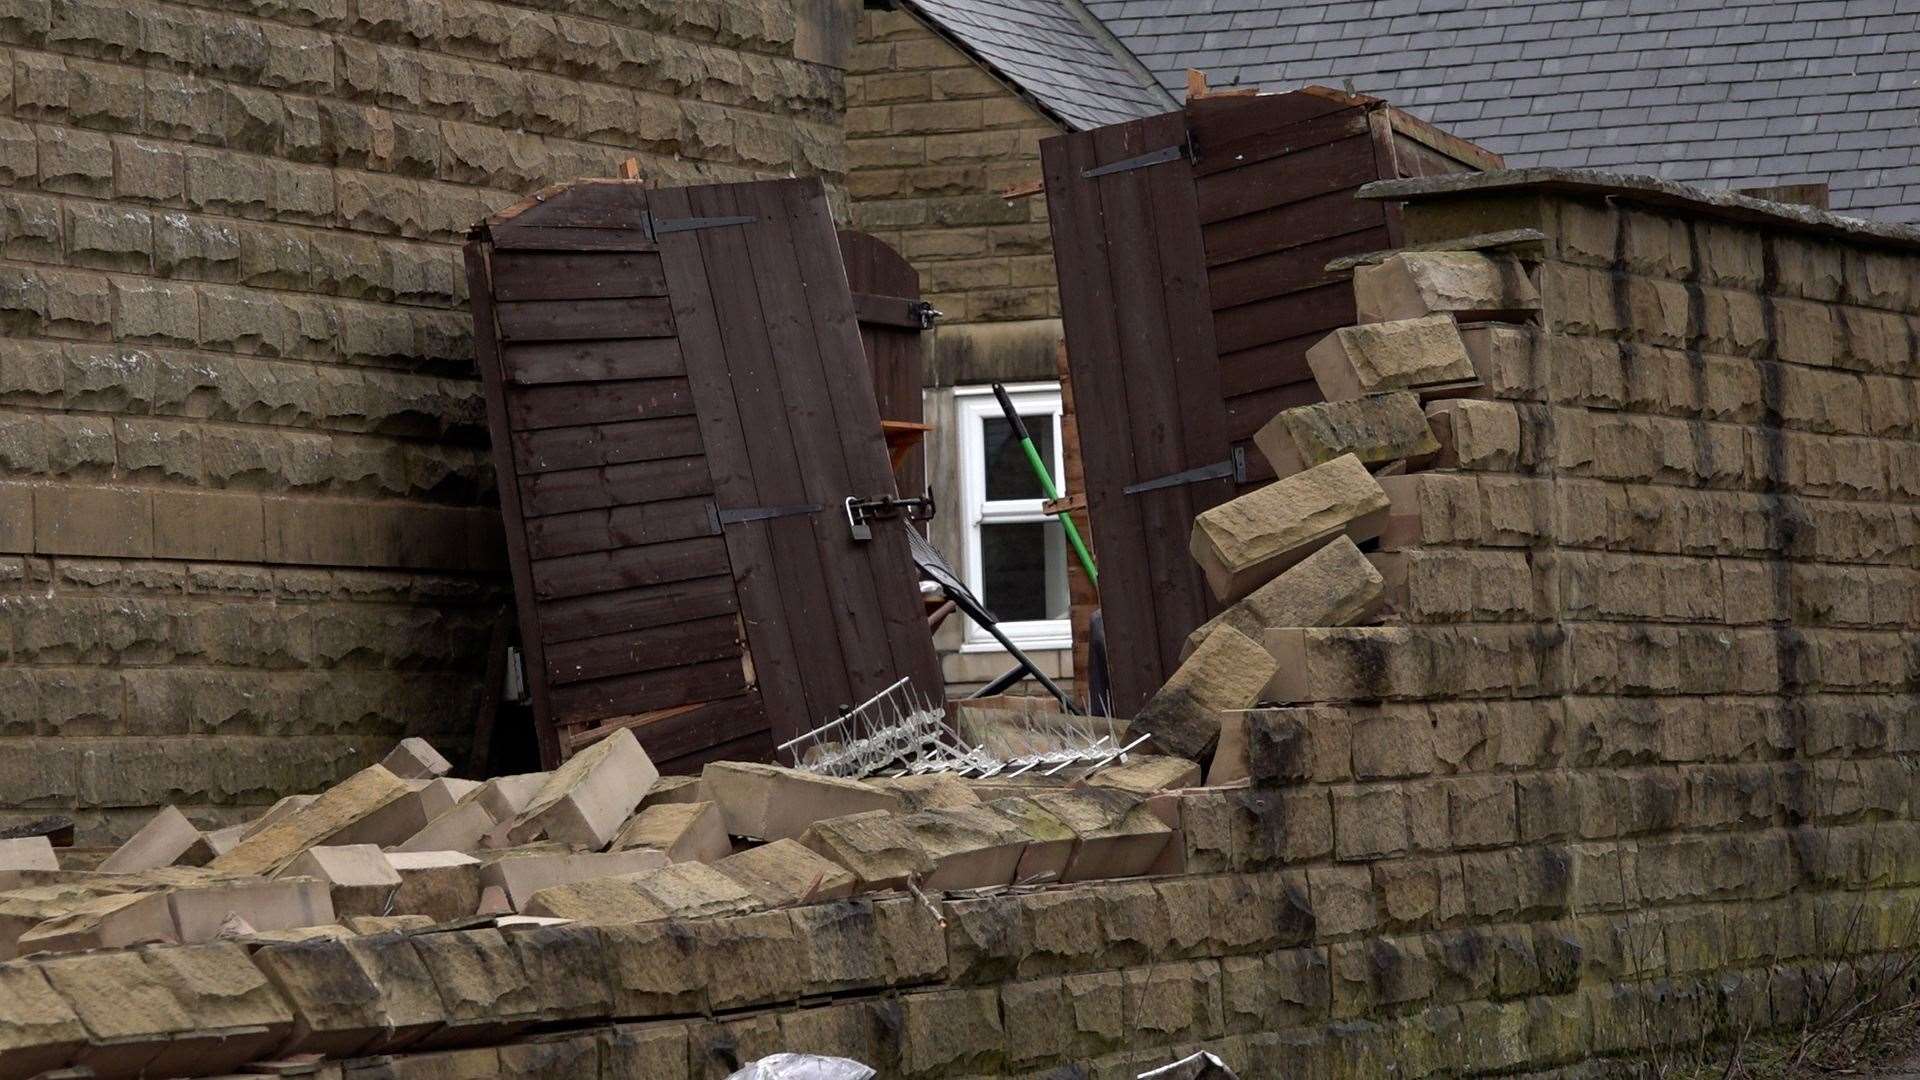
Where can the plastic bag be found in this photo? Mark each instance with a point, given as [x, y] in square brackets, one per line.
[803, 1067]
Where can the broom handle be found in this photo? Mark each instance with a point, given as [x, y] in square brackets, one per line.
[1046, 482]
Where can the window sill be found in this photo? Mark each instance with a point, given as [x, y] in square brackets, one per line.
[1036, 643]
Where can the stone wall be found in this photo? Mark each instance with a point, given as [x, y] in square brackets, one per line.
[244, 526]
[932, 139]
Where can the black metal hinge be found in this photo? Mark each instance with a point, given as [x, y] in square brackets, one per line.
[719, 518]
[659, 227]
[1155, 157]
[1235, 468]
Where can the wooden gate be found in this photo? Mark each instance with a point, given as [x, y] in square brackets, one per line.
[681, 408]
[1190, 249]
[886, 300]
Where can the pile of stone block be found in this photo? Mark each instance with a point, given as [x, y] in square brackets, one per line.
[1406, 389]
[603, 838]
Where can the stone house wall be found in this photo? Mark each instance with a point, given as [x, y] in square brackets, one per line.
[932, 139]
[245, 526]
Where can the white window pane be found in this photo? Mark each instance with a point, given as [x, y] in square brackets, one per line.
[1008, 473]
[1024, 571]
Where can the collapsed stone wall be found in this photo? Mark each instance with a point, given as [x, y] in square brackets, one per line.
[1628, 770]
[245, 537]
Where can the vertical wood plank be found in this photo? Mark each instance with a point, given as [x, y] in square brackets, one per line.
[1093, 352]
[749, 544]
[856, 421]
[766, 423]
[486, 346]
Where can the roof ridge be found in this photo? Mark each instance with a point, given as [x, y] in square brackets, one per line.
[1118, 48]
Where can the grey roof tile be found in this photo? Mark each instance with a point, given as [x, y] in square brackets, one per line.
[1056, 52]
[1719, 90]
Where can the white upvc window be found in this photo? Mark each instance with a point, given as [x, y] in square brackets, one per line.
[1016, 556]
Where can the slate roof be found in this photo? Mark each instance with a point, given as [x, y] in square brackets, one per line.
[1711, 92]
[1057, 53]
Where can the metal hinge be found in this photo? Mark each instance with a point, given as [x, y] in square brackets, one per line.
[719, 518]
[861, 512]
[658, 227]
[1155, 157]
[1235, 468]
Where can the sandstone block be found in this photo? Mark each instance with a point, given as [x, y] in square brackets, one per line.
[585, 801]
[360, 878]
[1050, 841]
[520, 876]
[101, 922]
[201, 913]
[338, 807]
[692, 890]
[1411, 284]
[482, 983]
[354, 995]
[675, 789]
[1376, 428]
[1116, 834]
[1247, 542]
[1502, 358]
[787, 872]
[27, 853]
[443, 794]
[441, 885]
[1334, 586]
[38, 1029]
[416, 759]
[684, 832]
[227, 997]
[932, 791]
[391, 824]
[134, 1025]
[281, 808]
[1476, 434]
[1227, 672]
[1146, 774]
[1423, 355]
[463, 827]
[769, 802]
[875, 846]
[971, 847]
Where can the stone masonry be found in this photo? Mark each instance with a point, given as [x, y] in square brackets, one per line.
[244, 533]
[932, 139]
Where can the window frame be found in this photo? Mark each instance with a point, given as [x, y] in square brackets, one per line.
[973, 405]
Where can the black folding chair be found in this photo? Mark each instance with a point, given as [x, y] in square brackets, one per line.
[934, 568]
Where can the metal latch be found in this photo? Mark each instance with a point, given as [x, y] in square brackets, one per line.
[1235, 467]
[1152, 157]
[861, 512]
[658, 227]
[926, 313]
[718, 517]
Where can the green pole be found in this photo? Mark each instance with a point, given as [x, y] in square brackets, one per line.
[1046, 482]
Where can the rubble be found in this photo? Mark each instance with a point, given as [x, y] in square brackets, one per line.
[684, 832]
[1379, 429]
[338, 807]
[584, 801]
[519, 875]
[768, 802]
[1424, 354]
[1467, 285]
[360, 878]
[1246, 542]
[1227, 672]
[416, 759]
[875, 847]
[167, 839]
[787, 872]
[1334, 586]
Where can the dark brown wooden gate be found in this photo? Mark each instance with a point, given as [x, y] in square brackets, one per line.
[680, 408]
[1191, 249]
[886, 300]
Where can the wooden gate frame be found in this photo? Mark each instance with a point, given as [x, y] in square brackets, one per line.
[1191, 250]
[723, 310]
